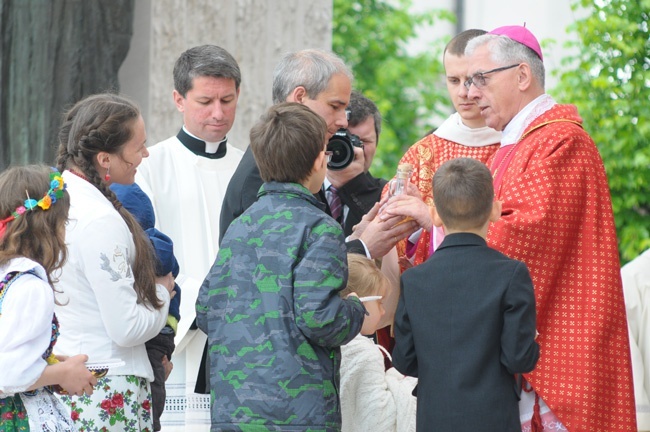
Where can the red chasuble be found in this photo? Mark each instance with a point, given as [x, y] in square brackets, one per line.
[557, 218]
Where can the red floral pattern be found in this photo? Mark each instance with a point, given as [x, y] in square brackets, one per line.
[118, 403]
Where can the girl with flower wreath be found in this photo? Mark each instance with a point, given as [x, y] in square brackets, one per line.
[33, 211]
[115, 303]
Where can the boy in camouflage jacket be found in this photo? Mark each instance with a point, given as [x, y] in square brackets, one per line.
[270, 304]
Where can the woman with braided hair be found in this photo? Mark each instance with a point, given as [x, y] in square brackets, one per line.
[114, 302]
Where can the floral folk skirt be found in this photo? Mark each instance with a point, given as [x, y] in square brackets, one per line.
[118, 403]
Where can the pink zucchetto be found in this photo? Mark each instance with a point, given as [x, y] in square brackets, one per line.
[522, 35]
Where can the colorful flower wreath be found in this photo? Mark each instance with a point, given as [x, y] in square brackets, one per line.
[57, 186]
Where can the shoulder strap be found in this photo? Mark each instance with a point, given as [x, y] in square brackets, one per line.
[8, 280]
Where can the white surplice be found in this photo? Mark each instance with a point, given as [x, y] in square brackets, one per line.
[186, 191]
[636, 288]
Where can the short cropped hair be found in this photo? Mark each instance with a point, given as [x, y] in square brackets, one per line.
[505, 51]
[286, 142]
[205, 60]
[463, 193]
[364, 277]
[457, 44]
[361, 108]
[311, 68]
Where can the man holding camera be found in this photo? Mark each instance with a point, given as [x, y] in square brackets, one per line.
[320, 80]
[349, 184]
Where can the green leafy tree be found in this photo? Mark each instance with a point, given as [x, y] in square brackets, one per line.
[372, 37]
[609, 82]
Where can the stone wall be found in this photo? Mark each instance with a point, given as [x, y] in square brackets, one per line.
[255, 32]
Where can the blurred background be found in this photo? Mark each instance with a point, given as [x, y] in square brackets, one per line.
[54, 52]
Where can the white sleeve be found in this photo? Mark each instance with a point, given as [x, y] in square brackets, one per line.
[401, 387]
[106, 254]
[366, 402]
[25, 333]
[636, 289]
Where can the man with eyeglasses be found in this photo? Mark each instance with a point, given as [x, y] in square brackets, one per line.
[463, 134]
[557, 218]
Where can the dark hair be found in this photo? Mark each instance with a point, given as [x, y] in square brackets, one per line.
[457, 44]
[311, 68]
[463, 193]
[104, 123]
[36, 234]
[364, 277]
[286, 142]
[360, 109]
[205, 60]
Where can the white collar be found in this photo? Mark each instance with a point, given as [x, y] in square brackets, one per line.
[516, 127]
[210, 147]
[453, 129]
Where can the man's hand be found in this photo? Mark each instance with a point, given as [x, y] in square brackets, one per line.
[408, 206]
[380, 235]
[339, 178]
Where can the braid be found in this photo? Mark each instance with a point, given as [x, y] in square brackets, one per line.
[101, 123]
[145, 275]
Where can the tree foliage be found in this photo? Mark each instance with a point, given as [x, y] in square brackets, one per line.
[372, 36]
[609, 82]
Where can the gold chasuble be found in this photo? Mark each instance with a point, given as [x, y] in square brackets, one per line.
[426, 156]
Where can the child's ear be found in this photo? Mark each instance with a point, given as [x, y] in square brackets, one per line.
[318, 163]
[435, 217]
[495, 214]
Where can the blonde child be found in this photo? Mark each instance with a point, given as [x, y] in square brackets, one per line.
[33, 212]
[372, 399]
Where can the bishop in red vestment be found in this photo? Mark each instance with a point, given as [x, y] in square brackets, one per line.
[557, 217]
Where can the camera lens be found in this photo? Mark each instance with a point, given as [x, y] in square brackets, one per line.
[342, 150]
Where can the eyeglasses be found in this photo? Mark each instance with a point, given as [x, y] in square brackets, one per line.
[478, 79]
[329, 154]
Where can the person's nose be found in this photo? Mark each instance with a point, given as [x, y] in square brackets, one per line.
[341, 119]
[145, 152]
[217, 111]
[473, 93]
[463, 91]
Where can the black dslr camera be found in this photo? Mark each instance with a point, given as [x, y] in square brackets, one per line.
[342, 146]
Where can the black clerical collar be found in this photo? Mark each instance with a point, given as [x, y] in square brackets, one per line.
[197, 146]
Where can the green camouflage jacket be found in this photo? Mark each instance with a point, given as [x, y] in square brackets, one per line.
[273, 316]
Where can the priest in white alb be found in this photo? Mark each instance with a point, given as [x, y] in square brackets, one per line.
[186, 177]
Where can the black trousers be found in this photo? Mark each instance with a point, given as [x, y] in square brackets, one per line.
[159, 346]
